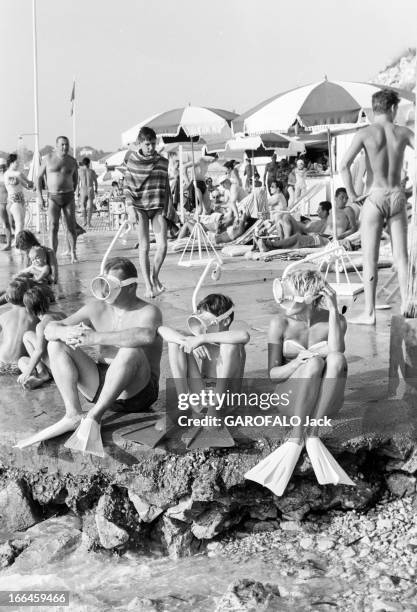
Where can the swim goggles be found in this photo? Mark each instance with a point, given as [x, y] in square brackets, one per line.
[107, 287]
[283, 296]
[204, 322]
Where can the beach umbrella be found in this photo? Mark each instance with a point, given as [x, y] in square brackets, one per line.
[116, 159]
[264, 143]
[315, 106]
[193, 121]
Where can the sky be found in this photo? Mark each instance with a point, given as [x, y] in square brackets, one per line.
[134, 58]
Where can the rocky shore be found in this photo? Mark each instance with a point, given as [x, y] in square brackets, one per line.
[183, 501]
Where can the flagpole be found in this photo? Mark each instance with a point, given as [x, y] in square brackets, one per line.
[74, 139]
[35, 76]
[35, 160]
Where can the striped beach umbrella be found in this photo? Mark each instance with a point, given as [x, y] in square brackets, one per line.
[186, 122]
[316, 106]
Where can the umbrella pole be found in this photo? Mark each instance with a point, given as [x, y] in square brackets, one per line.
[195, 182]
[329, 145]
[198, 234]
[182, 211]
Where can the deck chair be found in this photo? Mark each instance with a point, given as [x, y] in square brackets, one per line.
[304, 199]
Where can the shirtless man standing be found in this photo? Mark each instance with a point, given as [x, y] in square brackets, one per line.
[124, 327]
[61, 175]
[87, 189]
[384, 144]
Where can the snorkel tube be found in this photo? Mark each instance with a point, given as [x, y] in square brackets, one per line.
[196, 322]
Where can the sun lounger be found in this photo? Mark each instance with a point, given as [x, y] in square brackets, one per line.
[309, 194]
[255, 204]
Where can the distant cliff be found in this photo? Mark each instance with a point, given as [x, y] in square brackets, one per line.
[400, 72]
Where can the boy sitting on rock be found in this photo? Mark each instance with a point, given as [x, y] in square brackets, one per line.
[213, 358]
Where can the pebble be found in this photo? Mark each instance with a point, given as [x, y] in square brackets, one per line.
[291, 526]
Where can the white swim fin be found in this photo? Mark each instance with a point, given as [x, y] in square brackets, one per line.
[325, 466]
[87, 438]
[64, 425]
[275, 471]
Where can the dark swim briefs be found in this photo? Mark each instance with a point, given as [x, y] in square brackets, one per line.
[140, 402]
[62, 199]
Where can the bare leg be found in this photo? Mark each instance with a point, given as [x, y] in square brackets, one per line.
[17, 211]
[371, 227]
[230, 368]
[305, 386]
[332, 390]
[128, 374]
[82, 203]
[184, 370]
[42, 372]
[4, 217]
[90, 206]
[398, 230]
[185, 230]
[159, 226]
[69, 214]
[143, 236]
[72, 370]
[54, 214]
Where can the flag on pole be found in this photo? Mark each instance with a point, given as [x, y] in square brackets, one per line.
[72, 100]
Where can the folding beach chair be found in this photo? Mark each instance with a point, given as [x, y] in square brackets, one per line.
[306, 198]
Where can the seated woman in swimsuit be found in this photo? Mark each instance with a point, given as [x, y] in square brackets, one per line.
[306, 358]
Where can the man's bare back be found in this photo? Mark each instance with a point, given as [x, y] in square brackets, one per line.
[384, 146]
[13, 324]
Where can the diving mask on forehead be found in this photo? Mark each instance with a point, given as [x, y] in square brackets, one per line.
[107, 287]
[284, 297]
[205, 322]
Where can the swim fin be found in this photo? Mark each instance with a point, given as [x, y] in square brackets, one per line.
[147, 433]
[64, 425]
[207, 437]
[275, 471]
[87, 438]
[325, 466]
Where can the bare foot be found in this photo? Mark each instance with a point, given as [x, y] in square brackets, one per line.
[363, 319]
[74, 258]
[149, 293]
[36, 381]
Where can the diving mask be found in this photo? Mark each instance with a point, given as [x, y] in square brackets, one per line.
[204, 321]
[285, 298]
[107, 288]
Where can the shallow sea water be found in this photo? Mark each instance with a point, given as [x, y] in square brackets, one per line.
[100, 582]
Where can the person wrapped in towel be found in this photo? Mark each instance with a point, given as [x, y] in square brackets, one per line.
[149, 200]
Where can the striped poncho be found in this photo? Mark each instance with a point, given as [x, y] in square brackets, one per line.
[146, 181]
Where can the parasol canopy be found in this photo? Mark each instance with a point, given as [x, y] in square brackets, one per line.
[315, 106]
[186, 122]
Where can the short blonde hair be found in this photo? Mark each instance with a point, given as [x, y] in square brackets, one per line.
[307, 282]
